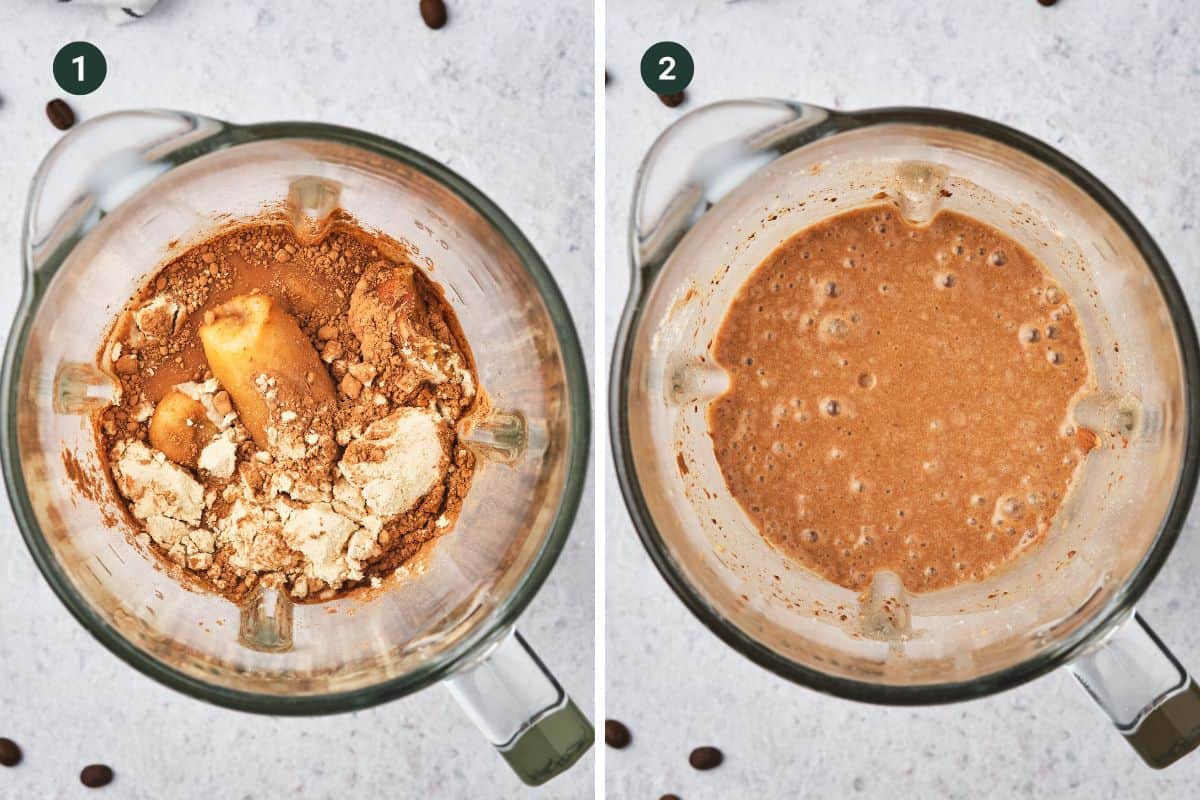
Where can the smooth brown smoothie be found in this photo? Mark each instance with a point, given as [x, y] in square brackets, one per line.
[900, 398]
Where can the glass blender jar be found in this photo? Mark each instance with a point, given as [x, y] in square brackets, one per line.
[105, 206]
[723, 187]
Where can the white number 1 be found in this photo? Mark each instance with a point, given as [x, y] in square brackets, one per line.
[78, 62]
[665, 75]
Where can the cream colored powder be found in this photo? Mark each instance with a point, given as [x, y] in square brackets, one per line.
[396, 461]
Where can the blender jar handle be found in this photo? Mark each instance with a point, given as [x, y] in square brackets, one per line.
[522, 710]
[98, 165]
[703, 156]
[1147, 694]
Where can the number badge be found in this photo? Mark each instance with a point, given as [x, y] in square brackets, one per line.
[667, 68]
[80, 68]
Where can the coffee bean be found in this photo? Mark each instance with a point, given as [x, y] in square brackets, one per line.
[706, 758]
[60, 114]
[616, 734]
[10, 753]
[94, 776]
[672, 100]
[434, 13]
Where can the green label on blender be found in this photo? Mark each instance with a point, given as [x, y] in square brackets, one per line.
[667, 68]
[80, 68]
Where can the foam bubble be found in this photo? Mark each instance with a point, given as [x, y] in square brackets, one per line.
[944, 280]
[1028, 334]
[866, 380]
[834, 327]
[998, 258]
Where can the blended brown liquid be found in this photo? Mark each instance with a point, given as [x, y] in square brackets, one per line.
[900, 398]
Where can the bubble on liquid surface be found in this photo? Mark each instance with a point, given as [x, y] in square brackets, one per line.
[834, 328]
[810, 536]
[1052, 332]
[1053, 295]
[857, 485]
[944, 280]
[831, 407]
[1054, 357]
[1028, 334]
[998, 258]
[866, 380]
[1008, 507]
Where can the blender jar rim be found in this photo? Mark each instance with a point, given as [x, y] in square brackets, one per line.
[1104, 619]
[502, 617]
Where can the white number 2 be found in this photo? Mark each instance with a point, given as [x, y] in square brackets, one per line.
[78, 62]
[666, 75]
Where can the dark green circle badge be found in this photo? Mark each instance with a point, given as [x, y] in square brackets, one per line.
[667, 68]
[79, 68]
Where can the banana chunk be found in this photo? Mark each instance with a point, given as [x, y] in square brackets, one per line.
[180, 428]
[253, 336]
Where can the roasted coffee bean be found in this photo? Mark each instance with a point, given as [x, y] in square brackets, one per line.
[616, 734]
[10, 753]
[60, 114]
[706, 758]
[94, 776]
[672, 100]
[434, 13]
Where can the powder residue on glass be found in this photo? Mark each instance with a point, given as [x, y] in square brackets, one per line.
[900, 398]
[289, 413]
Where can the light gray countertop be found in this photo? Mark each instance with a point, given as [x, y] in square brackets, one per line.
[503, 95]
[1115, 86]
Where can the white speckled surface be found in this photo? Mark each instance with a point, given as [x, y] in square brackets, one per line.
[1120, 92]
[503, 95]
